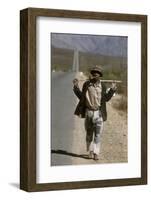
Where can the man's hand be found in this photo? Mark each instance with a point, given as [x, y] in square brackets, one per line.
[76, 82]
[114, 86]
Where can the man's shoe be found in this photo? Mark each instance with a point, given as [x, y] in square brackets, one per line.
[91, 155]
[96, 157]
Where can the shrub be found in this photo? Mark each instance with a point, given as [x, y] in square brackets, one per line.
[120, 103]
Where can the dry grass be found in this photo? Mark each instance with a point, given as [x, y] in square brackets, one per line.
[120, 103]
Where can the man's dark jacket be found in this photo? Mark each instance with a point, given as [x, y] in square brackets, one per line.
[81, 107]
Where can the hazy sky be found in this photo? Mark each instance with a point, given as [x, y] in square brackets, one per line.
[100, 44]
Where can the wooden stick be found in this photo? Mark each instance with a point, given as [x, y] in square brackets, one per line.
[107, 81]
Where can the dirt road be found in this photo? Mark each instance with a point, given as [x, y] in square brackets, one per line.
[62, 119]
[68, 146]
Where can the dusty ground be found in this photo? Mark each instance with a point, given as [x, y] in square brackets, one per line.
[68, 145]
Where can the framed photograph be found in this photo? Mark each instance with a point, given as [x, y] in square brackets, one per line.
[83, 99]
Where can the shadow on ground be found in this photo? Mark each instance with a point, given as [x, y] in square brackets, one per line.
[59, 151]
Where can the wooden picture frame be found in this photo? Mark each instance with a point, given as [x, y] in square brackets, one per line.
[28, 98]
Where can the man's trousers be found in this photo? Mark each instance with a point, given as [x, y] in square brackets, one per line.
[94, 129]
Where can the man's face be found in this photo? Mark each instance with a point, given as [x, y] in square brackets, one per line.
[95, 76]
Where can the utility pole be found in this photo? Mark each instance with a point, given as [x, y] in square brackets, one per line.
[75, 66]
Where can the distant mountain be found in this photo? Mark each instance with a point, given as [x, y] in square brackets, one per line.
[94, 44]
[62, 59]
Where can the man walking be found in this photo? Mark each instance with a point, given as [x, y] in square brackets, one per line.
[92, 107]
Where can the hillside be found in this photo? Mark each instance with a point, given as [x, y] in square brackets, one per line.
[62, 59]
